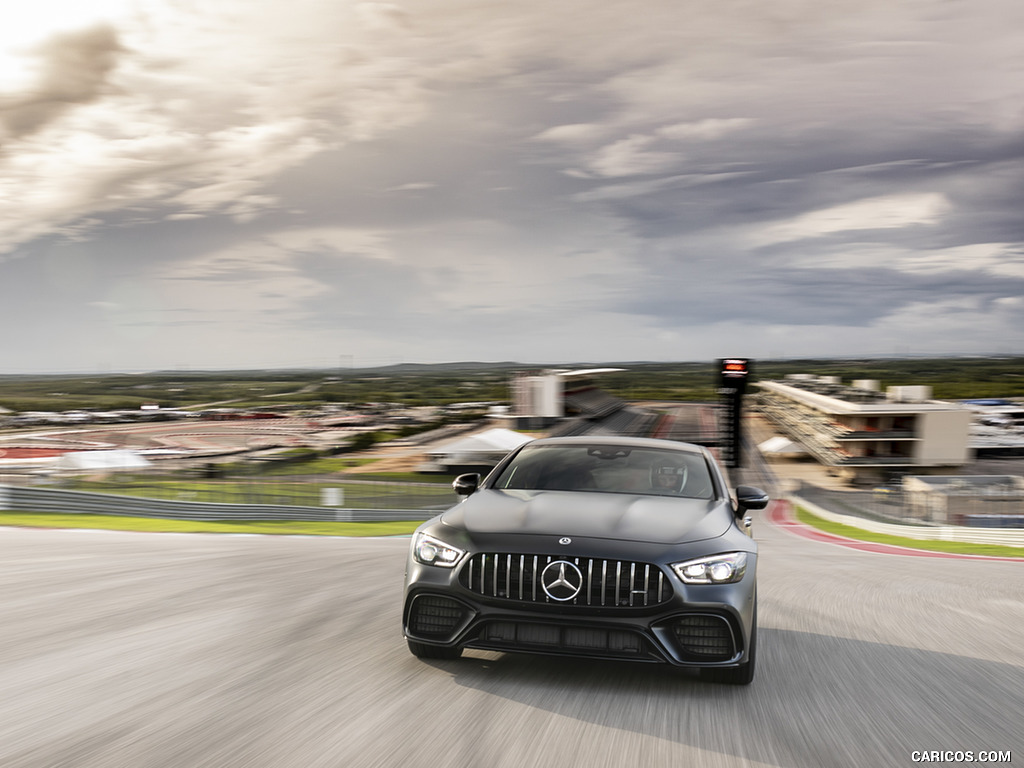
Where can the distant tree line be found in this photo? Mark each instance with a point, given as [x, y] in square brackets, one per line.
[425, 385]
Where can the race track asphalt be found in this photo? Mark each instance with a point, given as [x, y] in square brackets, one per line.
[190, 651]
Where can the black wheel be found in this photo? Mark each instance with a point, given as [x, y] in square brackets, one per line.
[424, 651]
[744, 673]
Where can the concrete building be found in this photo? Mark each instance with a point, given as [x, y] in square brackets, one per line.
[539, 399]
[864, 434]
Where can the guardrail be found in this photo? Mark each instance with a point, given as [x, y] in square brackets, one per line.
[1009, 537]
[22, 499]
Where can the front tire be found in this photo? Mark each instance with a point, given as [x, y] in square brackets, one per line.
[424, 651]
[741, 675]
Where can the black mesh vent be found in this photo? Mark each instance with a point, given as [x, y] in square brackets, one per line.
[603, 583]
[435, 617]
[705, 637]
[526, 636]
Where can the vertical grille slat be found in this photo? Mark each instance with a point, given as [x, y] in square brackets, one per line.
[605, 582]
[522, 570]
[618, 581]
[535, 578]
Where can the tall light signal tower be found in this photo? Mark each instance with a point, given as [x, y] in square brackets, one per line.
[733, 373]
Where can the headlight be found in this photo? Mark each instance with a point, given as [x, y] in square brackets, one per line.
[430, 551]
[718, 569]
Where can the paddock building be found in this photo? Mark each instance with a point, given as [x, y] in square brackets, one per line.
[864, 435]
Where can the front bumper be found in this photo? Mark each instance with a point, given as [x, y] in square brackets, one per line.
[697, 626]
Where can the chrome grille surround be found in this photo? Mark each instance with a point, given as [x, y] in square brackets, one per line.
[607, 583]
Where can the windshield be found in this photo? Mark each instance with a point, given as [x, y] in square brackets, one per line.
[608, 469]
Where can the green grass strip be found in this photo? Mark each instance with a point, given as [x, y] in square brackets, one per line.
[399, 528]
[281, 492]
[406, 477]
[156, 525]
[954, 547]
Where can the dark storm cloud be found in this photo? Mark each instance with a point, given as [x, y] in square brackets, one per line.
[770, 177]
[74, 69]
[685, 215]
[531, 179]
[470, 157]
[854, 297]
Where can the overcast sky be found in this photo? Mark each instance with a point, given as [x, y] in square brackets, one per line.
[195, 184]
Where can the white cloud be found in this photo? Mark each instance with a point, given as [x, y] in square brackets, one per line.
[196, 108]
[705, 130]
[414, 186]
[626, 190]
[30, 24]
[630, 157]
[994, 258]
[571, 134]
[888, 212]
[364, 243]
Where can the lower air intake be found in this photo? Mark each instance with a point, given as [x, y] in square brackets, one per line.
[576, 640]
[707, 638]
[435, 617]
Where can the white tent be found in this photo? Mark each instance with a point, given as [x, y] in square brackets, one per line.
[100, 461]
[781, 446]
[488, 447]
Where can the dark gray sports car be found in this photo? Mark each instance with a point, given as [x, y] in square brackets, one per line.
[606, 547]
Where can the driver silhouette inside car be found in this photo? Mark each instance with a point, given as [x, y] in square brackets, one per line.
[668, 479]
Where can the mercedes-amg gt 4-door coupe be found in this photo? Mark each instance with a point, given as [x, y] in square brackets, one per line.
[603, 547]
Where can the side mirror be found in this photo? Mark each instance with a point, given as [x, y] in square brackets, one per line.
[465, 485]
[748, 497]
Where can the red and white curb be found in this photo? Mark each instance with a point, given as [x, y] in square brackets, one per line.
[780, 514]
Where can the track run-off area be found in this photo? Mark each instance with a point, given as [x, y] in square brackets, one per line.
[188, 650]
[780, 513]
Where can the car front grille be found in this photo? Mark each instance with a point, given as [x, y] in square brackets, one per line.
[602, 583]
[705, 637]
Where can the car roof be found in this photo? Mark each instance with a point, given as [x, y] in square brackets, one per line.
[628, 442]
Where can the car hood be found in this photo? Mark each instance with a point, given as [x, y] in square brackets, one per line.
[596, 515]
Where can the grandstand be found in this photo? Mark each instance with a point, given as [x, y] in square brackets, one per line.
[591, 411]
[588, 410]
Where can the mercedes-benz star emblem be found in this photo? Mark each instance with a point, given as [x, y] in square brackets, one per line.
[565, 540]
[561, 580]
